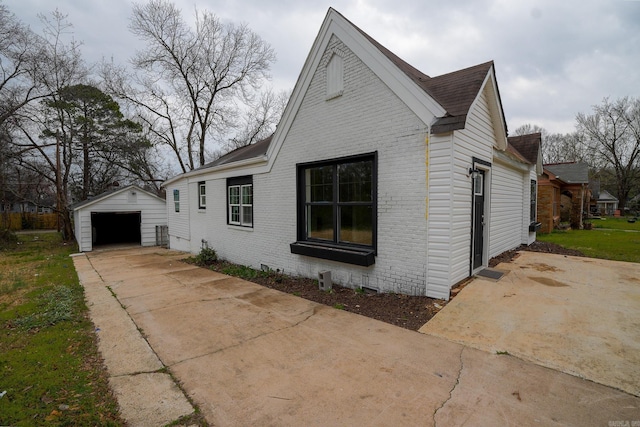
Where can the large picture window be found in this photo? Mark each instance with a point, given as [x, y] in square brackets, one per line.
[337, 208]
[240, 201]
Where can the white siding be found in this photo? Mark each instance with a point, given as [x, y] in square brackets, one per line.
[475, 140]
[507, 208]
[439, 219]
[179, 222]
[450, 197]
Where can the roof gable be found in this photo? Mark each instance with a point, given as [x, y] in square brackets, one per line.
[528, 146]
[111, 193]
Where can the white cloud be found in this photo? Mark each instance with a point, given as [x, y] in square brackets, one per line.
[553, 59]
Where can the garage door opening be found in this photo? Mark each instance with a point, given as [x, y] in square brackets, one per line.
[109, 228]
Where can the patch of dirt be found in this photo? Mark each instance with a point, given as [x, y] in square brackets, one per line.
[544, 247]
[410, 312]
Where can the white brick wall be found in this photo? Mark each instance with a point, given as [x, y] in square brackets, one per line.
[368, 117]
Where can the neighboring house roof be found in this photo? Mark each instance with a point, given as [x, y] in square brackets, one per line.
[571, 173]
[108, 194]
[605, 196]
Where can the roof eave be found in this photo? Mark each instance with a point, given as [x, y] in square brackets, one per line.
[448, 124]
[231, 165]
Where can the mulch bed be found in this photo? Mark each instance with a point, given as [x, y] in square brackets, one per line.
[410, 312]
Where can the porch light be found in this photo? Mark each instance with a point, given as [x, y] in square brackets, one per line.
[473, 173]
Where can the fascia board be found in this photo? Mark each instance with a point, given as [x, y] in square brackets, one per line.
[507, 159]
[244, 166]
[103, 197]
[490, 84]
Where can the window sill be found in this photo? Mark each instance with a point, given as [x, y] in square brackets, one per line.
[240, 227]
[364, 257]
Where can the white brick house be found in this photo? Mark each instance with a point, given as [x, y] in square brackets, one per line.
[388, 178]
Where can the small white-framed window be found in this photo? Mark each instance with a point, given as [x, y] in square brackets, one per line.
[240, 201]
[202, 195]
[247, 205]
[176, 200]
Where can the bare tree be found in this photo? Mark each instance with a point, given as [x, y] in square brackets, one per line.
[21, 65]
[191, 82]
[260, 119]
[559, 147]
[60, 65]
[612, 133]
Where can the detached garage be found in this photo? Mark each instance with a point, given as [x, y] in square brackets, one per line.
[127, 215]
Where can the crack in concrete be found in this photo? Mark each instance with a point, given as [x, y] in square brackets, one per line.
[293, 325]
[435, 413]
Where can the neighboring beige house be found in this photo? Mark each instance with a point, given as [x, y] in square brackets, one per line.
[390, 179]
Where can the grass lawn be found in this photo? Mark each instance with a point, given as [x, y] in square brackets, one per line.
[616, 224]
[612, 238]
[49, 364]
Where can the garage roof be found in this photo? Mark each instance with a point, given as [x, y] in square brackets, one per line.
[108, 194]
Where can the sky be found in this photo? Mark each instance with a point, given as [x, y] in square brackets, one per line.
[553, 58]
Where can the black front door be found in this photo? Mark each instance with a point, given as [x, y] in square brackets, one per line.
[478, 219]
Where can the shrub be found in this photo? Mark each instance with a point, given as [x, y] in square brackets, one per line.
[8, 239]
[207, 255]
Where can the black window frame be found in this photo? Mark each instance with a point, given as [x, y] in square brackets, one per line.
[240, 181]
[533, 200]
[534, 226]
[335, 250]
[202, 184]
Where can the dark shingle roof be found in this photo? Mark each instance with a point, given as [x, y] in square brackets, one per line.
[454, 91]
[527, 145]
[243, 153]
[571, 173]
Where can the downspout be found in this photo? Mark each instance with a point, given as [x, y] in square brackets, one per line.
[426, 212]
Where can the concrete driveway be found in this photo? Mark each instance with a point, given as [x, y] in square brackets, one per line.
[248, 355]
[577, 315]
